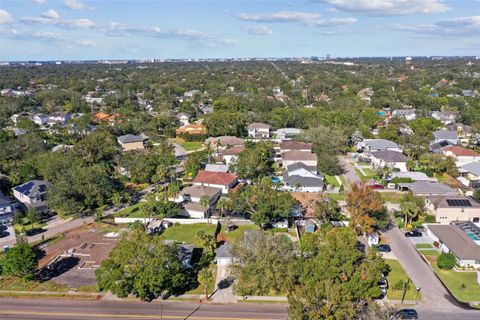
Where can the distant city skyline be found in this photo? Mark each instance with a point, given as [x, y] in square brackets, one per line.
[125, 29]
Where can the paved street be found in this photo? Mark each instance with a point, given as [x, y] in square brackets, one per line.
[433, 292]
[81, 310]
[223, 286]
[350, 174]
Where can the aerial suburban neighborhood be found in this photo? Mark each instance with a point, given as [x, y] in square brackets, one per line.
[313, 187]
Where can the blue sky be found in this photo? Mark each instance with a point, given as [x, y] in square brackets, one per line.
[126, 29]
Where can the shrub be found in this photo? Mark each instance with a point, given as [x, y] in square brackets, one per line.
[401, 285]
[429, 219]
[446, 261]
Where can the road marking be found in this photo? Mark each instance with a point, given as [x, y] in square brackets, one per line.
[125, 316]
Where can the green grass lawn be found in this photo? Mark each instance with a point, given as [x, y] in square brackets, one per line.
[130, 212]
[336, 196]
[423, 246]
[454, 280]
[396, 274]
[17, 284]
[191, 145]
[369, 172]
[237, 233]
[392, 197]
[432, 252]
[187, 232]
[211, 285]
[344, 181]
[331, 180]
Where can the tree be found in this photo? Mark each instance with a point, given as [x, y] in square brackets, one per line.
[144, 266]
[33, 215]
[205, 276]
[411, 206]
[476, 194]
[362, 203]
[325, 208]
[224, 204]
[207, 241]
[20, 261]
[263, 264]
[254, 161]
[446, 261]
[205, 201]
[98, 146]
[346, 284]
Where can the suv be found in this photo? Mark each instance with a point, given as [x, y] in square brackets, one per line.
[383, 248]
[405, 314]
[413, 233]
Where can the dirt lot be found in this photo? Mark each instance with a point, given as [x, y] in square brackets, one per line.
[73, 259]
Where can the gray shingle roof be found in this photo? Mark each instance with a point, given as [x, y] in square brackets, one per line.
[380, 144]
[462, 246]
[258, 125]
[293, 181]
[472, 167]
[224, 251]
[445, 134]
[428, 187]
[32, 188]
[199, 191]
[130, 138]
[390, 156]
[4, 200]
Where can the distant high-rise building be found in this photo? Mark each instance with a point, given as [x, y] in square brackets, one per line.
[408, 60]
[327, 56]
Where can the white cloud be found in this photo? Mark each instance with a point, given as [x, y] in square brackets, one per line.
[51, 14]
[44, 37]
[40, 1]
[389, 7]
[260, 30]
[61, 23]
[306, 18]
[74, 4]
[5, 17]
[468, 25]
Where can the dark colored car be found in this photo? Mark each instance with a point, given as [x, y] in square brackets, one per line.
[35, 231]
[232, 228]
[413, 233]
[384, 248]
[405, 314]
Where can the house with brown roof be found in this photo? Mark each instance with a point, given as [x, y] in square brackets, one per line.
[221, 180]
[461, 155]
[306, 157]
[192, 198]
[259, 130]
[229, 155]
[286, 146]
[453, 208]
[462, 239]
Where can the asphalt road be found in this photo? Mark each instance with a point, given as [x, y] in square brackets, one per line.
[85, 310]
[350, 174]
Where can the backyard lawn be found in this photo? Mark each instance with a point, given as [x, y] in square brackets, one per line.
[130, 212]
[237, 233]
[187, 232]
[331, 180]
[189, 145]
[368, 174]
[396, 274]
[392, 197]
[423, 246]
[211, 285]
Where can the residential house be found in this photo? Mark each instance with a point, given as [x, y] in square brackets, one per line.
[470, 93]
[192, 128]
[446, 117]
[407, 114]
[471, 173]
[390, 159]
[437, 147]
[192, 196]
[130, 142]
[461, 155]
[464, 131]
[32, 194]
[413, 175]
[183, 118]
[230, 155]
[206, 109]
[372, 145]
[287, 133]
[286, 146]
[301, 178]
[59, 117]
[445, 135]
[223, 255]
[459, 238]
[222, 180]
[224, 141]
[40, 119]
[259, 130]
[217, 167]
[449, 208]
[428, 188]
[306, 157]
[6, 210]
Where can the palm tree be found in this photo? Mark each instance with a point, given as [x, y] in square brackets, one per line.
[410, 210]
[205, 276]
[117, 199]
[224, 204]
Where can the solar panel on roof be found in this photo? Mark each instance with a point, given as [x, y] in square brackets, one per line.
[458, 203]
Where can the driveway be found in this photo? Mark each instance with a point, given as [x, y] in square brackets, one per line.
[223, 286]
[350, 174]
[60, 227]
[8, 238]
[433, 292]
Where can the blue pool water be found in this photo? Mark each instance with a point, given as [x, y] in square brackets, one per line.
[275, 180]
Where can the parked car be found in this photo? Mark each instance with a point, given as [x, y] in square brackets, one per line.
[232, 227]
[405, 314]
[383, 248]
[383, 284]
[376, 186]
[413, 233]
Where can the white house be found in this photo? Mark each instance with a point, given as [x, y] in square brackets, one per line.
[307, 157]
[259, 130]
[371, 145]
[447, 135]
[222, 180]
[40, 119]
[32, 194]
[299, 177]
[192, 198]
[183, 118]
[287, 133]
[407, 114]
[6, 212]
[390, 159]
[461, 155]
[230, 155]
[446, 117]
